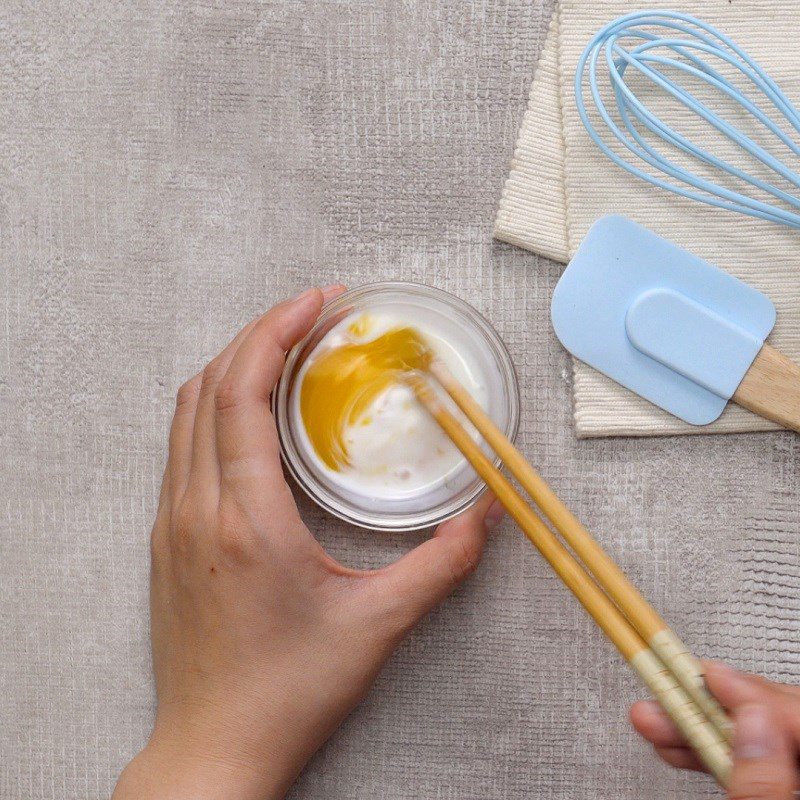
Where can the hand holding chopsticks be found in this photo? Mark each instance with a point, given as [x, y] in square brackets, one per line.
[629, 621]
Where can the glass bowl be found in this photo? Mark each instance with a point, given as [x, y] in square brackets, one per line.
[462, 487]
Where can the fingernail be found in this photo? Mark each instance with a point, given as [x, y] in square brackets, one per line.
[303, 295]
[755, 736]
[494, 516]
[331, 290]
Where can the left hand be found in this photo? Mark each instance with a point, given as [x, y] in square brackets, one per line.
[263, 643]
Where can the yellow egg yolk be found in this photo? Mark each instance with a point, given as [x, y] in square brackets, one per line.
[341, 384]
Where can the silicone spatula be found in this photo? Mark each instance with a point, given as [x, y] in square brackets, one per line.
[671, 327]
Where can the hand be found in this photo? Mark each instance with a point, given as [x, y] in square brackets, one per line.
[766, 738]
[262, 643]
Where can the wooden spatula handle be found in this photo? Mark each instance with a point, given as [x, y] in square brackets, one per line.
[771, 388]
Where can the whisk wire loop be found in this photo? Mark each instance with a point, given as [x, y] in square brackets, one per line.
[687, 48]
[654, 124]
[691, 102]
[656, 160]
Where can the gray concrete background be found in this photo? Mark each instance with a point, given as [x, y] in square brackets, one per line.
[168, 170]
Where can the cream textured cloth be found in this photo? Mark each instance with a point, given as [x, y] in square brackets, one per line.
[560, 183]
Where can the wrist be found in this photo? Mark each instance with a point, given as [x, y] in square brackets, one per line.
[166, 770]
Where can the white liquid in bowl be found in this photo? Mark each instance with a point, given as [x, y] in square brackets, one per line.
[396, 450]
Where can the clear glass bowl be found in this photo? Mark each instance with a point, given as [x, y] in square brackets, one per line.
[464, 487]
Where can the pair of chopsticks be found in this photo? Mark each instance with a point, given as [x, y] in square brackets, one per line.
[637, 630]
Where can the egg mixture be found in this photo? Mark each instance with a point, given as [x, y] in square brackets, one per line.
[362, 424]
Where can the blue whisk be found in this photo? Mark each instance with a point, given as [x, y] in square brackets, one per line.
[661, 46]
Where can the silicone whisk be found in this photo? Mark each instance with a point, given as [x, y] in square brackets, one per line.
[673, 52]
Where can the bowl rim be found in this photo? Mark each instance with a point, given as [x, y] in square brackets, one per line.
[310, 485]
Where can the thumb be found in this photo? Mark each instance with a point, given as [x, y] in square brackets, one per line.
[763, 761]
[421, 579]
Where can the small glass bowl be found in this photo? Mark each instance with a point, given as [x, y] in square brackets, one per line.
[464, 487]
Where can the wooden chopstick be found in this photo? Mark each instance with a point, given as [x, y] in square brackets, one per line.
[710, 746]
[644, 618]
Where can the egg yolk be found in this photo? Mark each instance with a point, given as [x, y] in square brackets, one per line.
[340, 385]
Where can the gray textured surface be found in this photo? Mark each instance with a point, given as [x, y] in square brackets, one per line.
[169, 169]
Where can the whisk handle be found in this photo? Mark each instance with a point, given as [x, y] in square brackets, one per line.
[771, 388]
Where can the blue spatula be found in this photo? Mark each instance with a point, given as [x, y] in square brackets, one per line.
[671, 327]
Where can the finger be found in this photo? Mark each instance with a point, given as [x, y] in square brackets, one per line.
[421, 579]
[180, 438]
[332, 291]
[681, 758]
[733, 688]
[204, 465]
[652, 723]
[763, 761]
[788, 689]
[720, 667]
[204, 453]
[737, 687]
[247, 442]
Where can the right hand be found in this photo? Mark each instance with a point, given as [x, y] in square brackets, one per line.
[766, 738]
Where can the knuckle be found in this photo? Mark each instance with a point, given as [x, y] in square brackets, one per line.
[236, 545]
[275, 351]
[227, 396]
[158, 545]
[188, 393]
[235, 538]
[463, 560]
[184, 525]
[213, 373]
